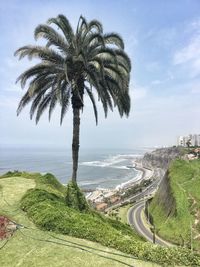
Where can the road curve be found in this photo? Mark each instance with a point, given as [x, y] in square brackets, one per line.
[134, 217]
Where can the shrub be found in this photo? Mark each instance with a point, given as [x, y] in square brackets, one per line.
[49, 212]
[46, 206]
[49, 180]
[75, 198]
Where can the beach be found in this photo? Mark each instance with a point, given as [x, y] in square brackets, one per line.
[102, 198]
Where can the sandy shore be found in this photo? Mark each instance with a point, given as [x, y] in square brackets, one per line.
[146, 173]
[143, 173]
[100, 194]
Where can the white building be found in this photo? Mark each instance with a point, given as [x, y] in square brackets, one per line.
[180, 141]
[194, 140]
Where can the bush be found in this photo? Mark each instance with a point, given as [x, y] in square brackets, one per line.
[34, 196]
[49, 212]
[75, 198]
[46, 207]
[50, 180]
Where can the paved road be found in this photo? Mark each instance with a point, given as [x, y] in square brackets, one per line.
[135, 220]
[146, 192]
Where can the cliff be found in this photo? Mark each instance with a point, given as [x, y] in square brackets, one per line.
[175, 207]
[161, 158]
[165, 198]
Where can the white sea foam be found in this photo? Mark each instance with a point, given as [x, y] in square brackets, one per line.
[128, 183]
[121, 167]
[83, 183]
[111, 161]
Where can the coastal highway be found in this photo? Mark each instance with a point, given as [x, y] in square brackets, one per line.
[136, 216]
[136, 220]
[148, 191]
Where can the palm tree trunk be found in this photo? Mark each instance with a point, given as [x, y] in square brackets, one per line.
[75, 142]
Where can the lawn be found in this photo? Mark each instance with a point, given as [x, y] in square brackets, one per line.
[122, 213]
[50, 243]
[34, 247]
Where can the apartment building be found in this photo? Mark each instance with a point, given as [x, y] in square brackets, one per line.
[193, 139]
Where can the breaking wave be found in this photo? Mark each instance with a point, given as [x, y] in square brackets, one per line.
[112, 161]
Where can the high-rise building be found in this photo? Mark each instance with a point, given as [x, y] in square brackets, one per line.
[195, 140]
[180, 141]
[198, 140]
[192, 139]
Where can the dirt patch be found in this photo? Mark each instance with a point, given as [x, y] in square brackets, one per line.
[7, 228]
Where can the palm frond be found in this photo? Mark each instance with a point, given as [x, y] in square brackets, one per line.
[54, 92]
[123, 57]
[65, 101]
[105, 53]
[91, 96]
[124, 104]
[88, 29]
[116, 73]
[53, 103]
[44, 53]
[36, 101]
[94, 38]
[95, 24]
[107, 97]
[42, 106]
[53, 37]
[23, 102]
[38, 84]
[63, 23]
[38, 69]
[114, 38]
[81, 27]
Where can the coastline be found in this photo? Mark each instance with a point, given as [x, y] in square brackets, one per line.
[99, 195]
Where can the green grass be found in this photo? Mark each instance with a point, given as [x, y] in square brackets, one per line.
[122, 213]
[185, 187]
[28, 247]
[45, 205]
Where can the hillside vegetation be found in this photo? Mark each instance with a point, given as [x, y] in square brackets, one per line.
[34, 247]
[176, 206]
[44, 204]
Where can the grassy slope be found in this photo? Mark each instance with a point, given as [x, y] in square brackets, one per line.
[185, 186]
[24, 248]
[45, 206]
[121, 213]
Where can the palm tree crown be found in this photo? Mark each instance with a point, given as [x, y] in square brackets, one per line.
[74, 63]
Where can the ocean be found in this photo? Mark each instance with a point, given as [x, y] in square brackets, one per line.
[100, 168]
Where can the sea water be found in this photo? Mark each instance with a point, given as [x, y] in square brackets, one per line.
[98, 168]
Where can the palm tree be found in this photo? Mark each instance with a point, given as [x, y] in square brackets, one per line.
[73, 64]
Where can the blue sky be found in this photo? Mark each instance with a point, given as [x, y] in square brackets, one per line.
[162, 39]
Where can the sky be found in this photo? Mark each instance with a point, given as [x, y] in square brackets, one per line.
[162, 38]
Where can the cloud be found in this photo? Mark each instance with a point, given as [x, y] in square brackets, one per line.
[161, 36]
[194, 25]
[156, 82]
[132, 41]
[194, 88]
[10, 102]
[169, 77]
[188, 57]
[138, 92]
[152, 66]
[190, 52]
